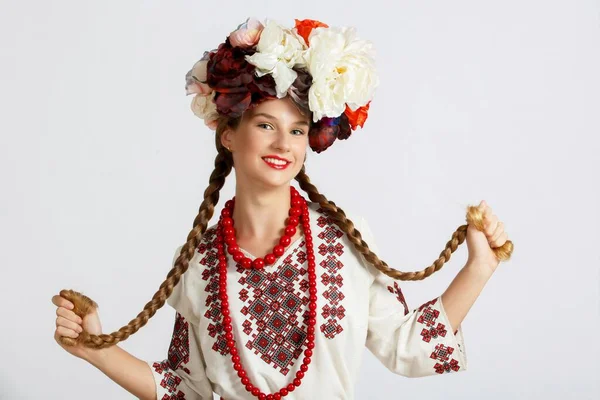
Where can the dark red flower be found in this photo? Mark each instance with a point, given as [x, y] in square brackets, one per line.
[234, 80]
[326, 130]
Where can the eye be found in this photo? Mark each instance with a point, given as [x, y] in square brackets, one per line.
[260, 125]
[299, 130]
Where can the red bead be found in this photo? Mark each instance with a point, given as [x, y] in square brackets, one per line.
[255, 391]
[295, 212]
[278, 250]
[304, 367]
[297, 382]
[230, 240]
[311, 338]
[238, 255]
[225, 311]
[233, 249]
[228, 336]
[307, 353]
[262, 396]
[291, 387]
[306, 361]
[290, 231]
[285, 240]
[237, 366]
[293, 221]
[307, 232]
[227, 328]
[245, 381]
[242, 374]
[258, 263]
[277, 396]
[311, 321]
[297, 202]
[235, 359]
[270, 397]
[310, 345]
[299, 374]
[227, 320]
[227, 221]
[270, 259]
[230, 343]
[283, 392]
[246, 262]
[249, 387]
[234, 352]
[229, 203]
[229, 231]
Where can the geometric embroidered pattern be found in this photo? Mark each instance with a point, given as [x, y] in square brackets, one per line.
[276, 307]
[428, 316]
[331, 249]
[169, 381]
[208, 250]
[178, 354]
[396, 289]
[179, 350]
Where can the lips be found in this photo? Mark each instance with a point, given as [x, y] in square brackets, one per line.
[279, 166]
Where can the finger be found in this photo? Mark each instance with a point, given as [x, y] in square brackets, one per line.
[62, 331]
[62, 321]
[499, 230]
[500, 241]
[68, 314]
[490, 225]
[62, 302]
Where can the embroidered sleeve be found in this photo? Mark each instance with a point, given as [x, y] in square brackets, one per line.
[410, 342]
[182, 375]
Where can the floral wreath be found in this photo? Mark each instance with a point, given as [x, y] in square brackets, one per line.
[327, 71]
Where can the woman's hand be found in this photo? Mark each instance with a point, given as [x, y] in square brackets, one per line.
[481, 243]
[70, 325]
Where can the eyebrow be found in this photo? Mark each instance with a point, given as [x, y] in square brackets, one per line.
[263, 114]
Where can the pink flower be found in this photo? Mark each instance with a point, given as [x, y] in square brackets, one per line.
[195, 79]
[247, 34]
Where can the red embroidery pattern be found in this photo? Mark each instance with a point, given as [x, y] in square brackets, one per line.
[208, 250]
[396, 289]
[179, 350]
[441, 353]
[276, 304]
[169, 381]
[178, 355]
[331, 249]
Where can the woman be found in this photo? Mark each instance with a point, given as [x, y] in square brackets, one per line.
[279, 296]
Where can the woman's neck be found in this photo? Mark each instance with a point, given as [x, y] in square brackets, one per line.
[260, 217]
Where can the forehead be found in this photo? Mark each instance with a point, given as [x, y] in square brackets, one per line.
[278, 108]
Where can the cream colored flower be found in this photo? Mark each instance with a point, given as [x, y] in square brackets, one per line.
[195, 79]
[343, 71]
[247, 34]
[204, 107]
[277, 52]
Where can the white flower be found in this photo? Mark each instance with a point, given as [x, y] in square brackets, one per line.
[277, 52]
[343, 71]
[203, 106]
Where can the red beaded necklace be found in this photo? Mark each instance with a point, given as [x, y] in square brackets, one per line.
[226, 235]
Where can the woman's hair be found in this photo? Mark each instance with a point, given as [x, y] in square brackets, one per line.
[223, 166]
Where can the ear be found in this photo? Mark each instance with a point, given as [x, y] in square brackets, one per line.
[226, 138]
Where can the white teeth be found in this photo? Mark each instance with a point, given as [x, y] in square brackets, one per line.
[275, 161]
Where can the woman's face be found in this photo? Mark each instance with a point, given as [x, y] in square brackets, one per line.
[274, 129]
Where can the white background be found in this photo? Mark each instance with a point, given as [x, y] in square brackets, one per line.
[103, 168]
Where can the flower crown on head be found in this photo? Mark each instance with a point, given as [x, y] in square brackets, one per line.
[326, 71]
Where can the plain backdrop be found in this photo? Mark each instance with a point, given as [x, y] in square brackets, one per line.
[103, 168]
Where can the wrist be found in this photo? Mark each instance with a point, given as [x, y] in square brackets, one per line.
[481, 267]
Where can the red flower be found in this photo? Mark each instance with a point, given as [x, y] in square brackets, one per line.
[357, 117]
[305, 26]
[325, 131]
[234, 81]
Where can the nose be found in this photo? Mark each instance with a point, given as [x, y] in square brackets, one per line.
[282, 141]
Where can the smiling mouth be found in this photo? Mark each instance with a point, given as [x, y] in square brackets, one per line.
[276, 163]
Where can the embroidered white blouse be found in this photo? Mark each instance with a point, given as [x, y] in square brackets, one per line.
[357, 306]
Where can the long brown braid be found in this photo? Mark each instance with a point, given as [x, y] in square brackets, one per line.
[223, 166]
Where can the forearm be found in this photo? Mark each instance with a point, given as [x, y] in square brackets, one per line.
[133, 374]
[463, 291]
